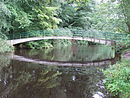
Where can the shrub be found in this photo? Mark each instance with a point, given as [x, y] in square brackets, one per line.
[118, 79]
[4, 46]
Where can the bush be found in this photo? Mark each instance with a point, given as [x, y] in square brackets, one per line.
[4, 46]
[118, 79]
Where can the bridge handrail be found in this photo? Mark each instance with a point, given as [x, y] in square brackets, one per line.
[118, 37]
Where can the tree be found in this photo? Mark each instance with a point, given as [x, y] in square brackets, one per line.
[5, 14]
[125, 7]
[107, 16]
[126, 10]
[75, 14]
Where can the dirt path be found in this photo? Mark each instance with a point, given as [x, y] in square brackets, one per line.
[127, 54]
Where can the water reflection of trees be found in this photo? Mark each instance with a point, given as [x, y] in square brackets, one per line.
[4, 63]
[20, 80]
[27, 80]
[71, 53]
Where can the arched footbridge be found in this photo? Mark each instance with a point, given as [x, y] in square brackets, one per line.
[106, 38]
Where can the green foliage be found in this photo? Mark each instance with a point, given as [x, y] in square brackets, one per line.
[20, 19]
[4, 46]
[48, 43]
[39, 44]
[75, 15]
[4, 61]
[5, 14]
[118, 79]
[105, 16]
[26, 15]
[126, 10]
[46, 16]
[62, 32]
[108, 17]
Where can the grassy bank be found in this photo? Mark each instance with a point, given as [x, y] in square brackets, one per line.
[117, 79]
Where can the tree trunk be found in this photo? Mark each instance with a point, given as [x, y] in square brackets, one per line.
[126, 10]
[129, 28]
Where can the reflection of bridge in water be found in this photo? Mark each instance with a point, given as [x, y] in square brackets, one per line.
[63, 63]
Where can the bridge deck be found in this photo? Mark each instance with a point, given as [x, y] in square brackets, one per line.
[23, 40]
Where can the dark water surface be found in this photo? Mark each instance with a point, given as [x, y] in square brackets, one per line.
[19, 78]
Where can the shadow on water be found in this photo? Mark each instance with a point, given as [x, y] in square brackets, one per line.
[20, 79]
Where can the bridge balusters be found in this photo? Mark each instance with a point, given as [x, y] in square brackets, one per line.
[105, 36]
[74, 33]
[13, 36]
[43, 34]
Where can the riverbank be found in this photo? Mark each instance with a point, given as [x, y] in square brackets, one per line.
[117, 79]
[126, 54]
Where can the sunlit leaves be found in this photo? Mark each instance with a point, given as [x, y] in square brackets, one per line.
[46, 16]
[4, 46]
[108, 17]
[74, 15]
[126, 10]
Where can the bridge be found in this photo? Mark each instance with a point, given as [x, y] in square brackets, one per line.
[106, 38]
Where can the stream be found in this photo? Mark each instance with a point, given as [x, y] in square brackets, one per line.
[61, 72]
